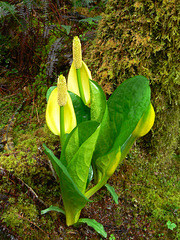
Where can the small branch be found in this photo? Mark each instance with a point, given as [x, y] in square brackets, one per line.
[24, 218]
[6, 173]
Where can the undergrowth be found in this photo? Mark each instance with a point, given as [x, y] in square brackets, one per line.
[153, 188]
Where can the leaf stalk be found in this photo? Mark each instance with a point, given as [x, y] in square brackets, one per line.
[78, 72]
[62, 126]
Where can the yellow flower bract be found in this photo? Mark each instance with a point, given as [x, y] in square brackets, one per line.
[53, 114]
[73, 82]
[146, 122]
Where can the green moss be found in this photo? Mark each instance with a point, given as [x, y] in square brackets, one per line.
[153, 189]
[28, 173]
[141, 38]
[23, 219]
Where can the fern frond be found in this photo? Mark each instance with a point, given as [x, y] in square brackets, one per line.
[6, 9]
[28, 4]
[84, 3]
[45, 8]
[52, 57]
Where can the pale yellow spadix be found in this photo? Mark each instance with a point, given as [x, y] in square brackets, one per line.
[61, 91]
[77, 54]
[146, 122]
[53, 114]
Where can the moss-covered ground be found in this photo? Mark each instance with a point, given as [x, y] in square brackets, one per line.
[148, 190]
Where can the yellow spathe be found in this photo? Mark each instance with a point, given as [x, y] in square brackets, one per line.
[145, 123]
[53, 114]
[72, 82]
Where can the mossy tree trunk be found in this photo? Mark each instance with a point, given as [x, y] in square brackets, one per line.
[141, 38]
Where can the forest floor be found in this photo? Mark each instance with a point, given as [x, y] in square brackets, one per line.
[147, 192]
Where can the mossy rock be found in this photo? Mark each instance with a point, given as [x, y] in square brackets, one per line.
[141, 38]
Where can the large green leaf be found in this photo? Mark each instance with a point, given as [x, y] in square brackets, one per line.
[73, 199]
[107, 164]
[99, 112]
[98, 102]
[81, 110]
[78, 166]
[76, 138]
[127, 105]
[125, 108]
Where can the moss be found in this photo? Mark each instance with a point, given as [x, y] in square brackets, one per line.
[141, 38]
[152, 188]
[26, 160]
[23, 219]
[29, 185]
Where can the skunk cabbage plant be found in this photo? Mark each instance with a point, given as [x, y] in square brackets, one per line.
[95, 134]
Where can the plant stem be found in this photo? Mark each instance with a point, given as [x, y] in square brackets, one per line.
[62, 126]
[126, 146]
[71, 218]
[100, 184]
[78, 71]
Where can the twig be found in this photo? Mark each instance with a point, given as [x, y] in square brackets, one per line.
[24, 218]
[5, 172]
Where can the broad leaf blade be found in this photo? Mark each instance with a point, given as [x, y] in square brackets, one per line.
[127, 105]
[78, 166]
[98, 102]
[77, 137]
[107, 164]
[73, 199]
[98, 227]
[81, 110]
[99, 112]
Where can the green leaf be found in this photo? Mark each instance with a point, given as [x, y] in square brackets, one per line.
[127, 105]
[49, 92]
[73, 199]
[125, 108]
[98, 102]
[98, 227]
[112, 192]
[99, 112]
[91, 20]
[81, 110]
[107, 164]
[53, 208]
[76, 138]
[171, 225]
[67, 28]
[84, 140]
